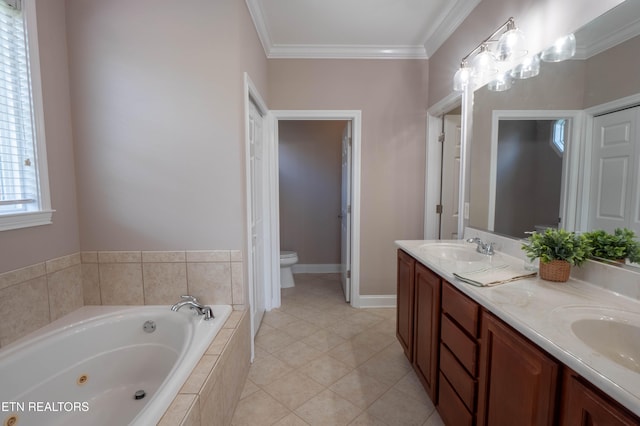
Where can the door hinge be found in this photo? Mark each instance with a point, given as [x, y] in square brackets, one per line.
[348, 274]
[441, 137]
[439, 208]
[348, 209]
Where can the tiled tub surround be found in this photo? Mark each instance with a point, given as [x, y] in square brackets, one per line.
[210, 395]
[537, 309]
[56, 287]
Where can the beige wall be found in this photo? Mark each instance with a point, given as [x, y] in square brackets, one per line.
[310, 159]
[157, 94]
[613, 74]
[23, 247]
[542, 21]
[392, 97]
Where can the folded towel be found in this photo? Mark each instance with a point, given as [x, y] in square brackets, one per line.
[494, 276]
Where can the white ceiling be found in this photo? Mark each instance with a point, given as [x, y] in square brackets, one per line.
[356, 28]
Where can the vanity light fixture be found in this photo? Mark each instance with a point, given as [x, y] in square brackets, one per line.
[502, 82]
[491, 56]
[529, 67]
[564, 48]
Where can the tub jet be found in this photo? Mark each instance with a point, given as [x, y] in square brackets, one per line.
[139, 394]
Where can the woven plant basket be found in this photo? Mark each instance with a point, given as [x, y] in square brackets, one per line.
[556, 270]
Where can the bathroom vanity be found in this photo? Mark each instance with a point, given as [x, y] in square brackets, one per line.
[492, 356]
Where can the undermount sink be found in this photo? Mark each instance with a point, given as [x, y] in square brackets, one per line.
[618, 341]
[613, 334]
[452, 252]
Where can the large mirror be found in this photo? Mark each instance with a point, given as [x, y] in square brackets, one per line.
[548, 152]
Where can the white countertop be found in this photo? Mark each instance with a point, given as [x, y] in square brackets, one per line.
[540, 310]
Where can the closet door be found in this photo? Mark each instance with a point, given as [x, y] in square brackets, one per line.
[614, 199]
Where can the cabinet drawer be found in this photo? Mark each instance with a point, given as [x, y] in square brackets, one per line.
[461, 346]
[450, 407]
[463, 310]
[460, 380]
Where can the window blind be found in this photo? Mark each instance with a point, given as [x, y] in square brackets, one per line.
[18, 166]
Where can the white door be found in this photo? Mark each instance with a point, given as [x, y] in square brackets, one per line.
[345, 213]
[613, 200]
[256, 155]
[450, 177]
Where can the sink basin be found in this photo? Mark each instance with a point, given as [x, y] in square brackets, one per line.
[618, 341]
[611, 333]
[452, 252]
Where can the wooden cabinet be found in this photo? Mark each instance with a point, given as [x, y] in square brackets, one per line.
[518, 382]
[584, 405]
[426, 328]
[481, 372]
[405, 302]
[458, 357]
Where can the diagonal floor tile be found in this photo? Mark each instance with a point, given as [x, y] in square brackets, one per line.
[257, 410]
[328, 408]
[293, 389]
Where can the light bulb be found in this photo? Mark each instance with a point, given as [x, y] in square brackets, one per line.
[461, 78]
[511, 45]
[564, 48]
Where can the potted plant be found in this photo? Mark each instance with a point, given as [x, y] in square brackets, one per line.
[619, 246]
[558, 250]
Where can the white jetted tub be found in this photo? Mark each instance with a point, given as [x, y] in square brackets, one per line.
[103, 365]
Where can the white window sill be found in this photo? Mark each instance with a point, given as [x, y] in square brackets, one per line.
[25, 220]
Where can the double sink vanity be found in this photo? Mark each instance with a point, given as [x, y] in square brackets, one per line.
[526, 352]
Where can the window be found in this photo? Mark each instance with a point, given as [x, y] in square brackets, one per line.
[559, 136]
[24, 188]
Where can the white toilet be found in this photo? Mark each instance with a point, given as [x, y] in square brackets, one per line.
[287, 260]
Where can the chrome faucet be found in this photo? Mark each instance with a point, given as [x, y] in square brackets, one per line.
[194, 305]
[482, 247]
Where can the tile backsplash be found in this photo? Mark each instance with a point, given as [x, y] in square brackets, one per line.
[33, 296]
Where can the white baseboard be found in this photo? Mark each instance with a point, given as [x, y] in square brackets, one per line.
[382, 301]
[315, 268]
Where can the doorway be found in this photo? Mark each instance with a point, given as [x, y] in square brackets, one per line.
[350, 202]
[314, 163]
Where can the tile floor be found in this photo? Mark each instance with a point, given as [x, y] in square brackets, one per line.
[320, 362]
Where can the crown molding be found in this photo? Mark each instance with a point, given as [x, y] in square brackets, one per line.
[450, 20]
[607, 41]
[257, 16]
[346, 52]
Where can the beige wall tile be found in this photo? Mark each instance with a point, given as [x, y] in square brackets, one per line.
[208, 256]
[212, 399]
[164, 256]
[63, 262]
[164, 283]
[178, 409]
[119, 256]
[18, 276]
[65, 291]
[89, 256]
[234, 319]
[15, 320]
[193, 415]
[220, 341]
[91, 284]
[200, 374]
[236, 367]
[236, 255]
[210, 282]
[121, 284]
[237, 283]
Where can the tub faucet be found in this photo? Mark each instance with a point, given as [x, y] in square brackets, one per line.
[482, 247]
[194, 305]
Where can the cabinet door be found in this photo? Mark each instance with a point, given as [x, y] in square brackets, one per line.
[404, 319]
[584, 406]
[427, 328]
[518, 382]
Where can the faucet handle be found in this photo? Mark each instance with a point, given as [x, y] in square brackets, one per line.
[188, 297]
[474, 240]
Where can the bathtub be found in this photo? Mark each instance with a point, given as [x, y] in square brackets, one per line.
[103, 365]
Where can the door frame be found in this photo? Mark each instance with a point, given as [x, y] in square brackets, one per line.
[251, 94]
[571, 180]
[355, 116]
[434, 167]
